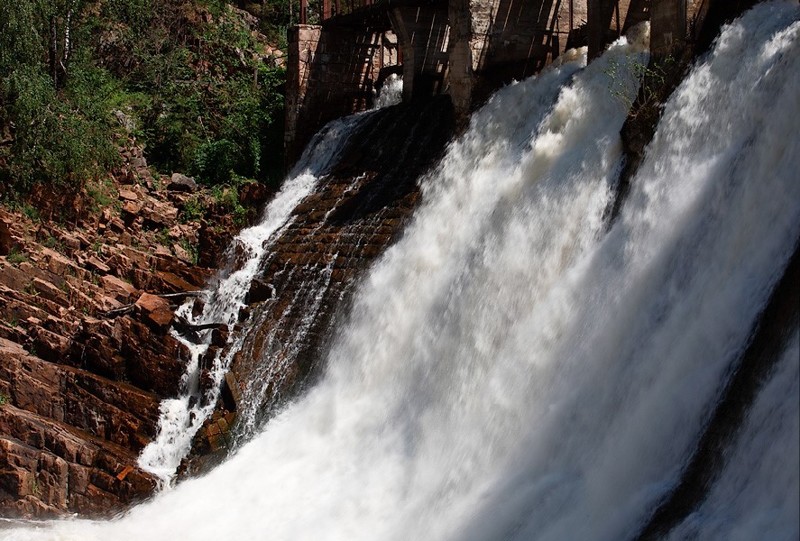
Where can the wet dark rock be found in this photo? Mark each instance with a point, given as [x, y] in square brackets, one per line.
[254, 194]
[219, 336]
[260, 291]
[230, 392]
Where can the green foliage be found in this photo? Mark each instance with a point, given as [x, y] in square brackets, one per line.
[193, 209]
[54, 244]
[651, 75]
[31, 290]
[215, 161]
[57, 139]
[15, 257]
[36, 490]
[4, 399]
[215, 127]
[30, 211]
[20, 33]
[162, 237]
[101, 194]
[191, 249]
[212, 108]
[136, 14]
[278, 15]
[185, 72]
[227, 197]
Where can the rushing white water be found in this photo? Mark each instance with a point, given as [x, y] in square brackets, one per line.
[510, 369]
[757, 495]
[391, 92]
[182, 417]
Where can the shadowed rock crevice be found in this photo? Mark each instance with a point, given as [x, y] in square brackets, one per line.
[666, 69]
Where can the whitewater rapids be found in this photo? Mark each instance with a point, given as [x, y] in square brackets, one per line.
[514, 369]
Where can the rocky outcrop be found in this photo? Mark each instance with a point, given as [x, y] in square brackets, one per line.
[85, 350]
[66, 437]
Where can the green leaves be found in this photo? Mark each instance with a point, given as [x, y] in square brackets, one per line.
[55, 139]
[21, 34]
[186, 73]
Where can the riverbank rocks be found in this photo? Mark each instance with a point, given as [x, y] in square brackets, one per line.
[155, 310]
[85, 351]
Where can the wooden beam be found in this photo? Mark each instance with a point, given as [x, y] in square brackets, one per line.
[595, 29]
[600, 13]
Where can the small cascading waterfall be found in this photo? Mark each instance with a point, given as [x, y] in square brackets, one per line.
[271, 336]
[510, 369]
[182, 417]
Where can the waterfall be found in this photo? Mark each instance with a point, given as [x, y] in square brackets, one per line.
[181, 418]
[756, 496]
[514, 369]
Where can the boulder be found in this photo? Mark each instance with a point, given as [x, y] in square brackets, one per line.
[131, 209]
[128, 195]
[155, 310]
[160, 215]
[97, 265]
[181, 253]
[120, 289]
[181, 183]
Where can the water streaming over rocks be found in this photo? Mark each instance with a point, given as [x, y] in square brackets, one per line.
[510, 369]
[344, 202]
[355, 212]
[182, 417]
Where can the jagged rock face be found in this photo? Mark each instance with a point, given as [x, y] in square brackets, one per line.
[67, 438]
[85, 351]
[338, 231]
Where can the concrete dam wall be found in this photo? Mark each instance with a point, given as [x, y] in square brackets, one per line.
[465, 49]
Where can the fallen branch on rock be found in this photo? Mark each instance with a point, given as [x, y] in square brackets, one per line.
[181, 324]
[116, 312]
[128, 308]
